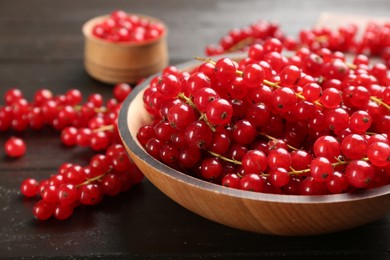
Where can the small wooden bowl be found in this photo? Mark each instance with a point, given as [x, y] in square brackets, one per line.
[123, 62]
[287, 215]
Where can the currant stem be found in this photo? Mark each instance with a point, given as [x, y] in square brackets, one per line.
[294, 172]
[276, 85]
[271, 84]
[97, 109]
[104, 128]
[224, 158]
[380, 102]
[273, 138]
[204, 118]
[187, 100]
[192, 104]
[241, 44]
[203, 59]
[88, 181]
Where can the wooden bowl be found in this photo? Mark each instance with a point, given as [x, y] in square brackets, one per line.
[123, 62]
[256, 212]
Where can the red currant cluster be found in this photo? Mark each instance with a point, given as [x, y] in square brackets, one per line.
[89, 124]
[309, 124]
[374, 40]
[240, 38]
[122, 27]
[15, 147]
[74, 185]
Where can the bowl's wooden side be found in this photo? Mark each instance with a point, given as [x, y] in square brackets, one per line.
[263, 216]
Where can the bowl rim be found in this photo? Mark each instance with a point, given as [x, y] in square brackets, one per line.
[136, 148]
[88, 25]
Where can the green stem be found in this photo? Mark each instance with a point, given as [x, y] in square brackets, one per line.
[104, 128]
[273, 138]
[187, 100]
[294, 172]
[380, 102]
[224, 158]
[192, 104]
[88, 181]
[97, 109]
[241, 44]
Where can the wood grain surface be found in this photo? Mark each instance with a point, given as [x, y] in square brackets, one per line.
[41, 45]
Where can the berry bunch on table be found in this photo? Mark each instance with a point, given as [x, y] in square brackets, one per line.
[90, 124]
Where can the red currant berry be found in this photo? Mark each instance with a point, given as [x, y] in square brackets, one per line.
[225, 70]
[90, 194]
[29, 187]
[15, 147]
[354, 146]
[327, 146]
[231, 180]
[69, 136]
[254, 161]
[284, 99]
[203, 96]
[331, 98]
[73, 97]
[253, 75]
[279, 158]
[360, 121]
[121, 91]
[337, 183]
[244, 132]
[290, 76]
[181, 115]
[198, 134]
[196, 82]
[309, 186]
[219, 112]
[43, 210]
[252, 182]
[189, 156]
[300, 159]
[62, 212]
[337, 119]
[279, 177]
[379, 154]
[320, 169]
[211, 168]
[50, 194]
[359, 173]
[111, 184]
[68, 194]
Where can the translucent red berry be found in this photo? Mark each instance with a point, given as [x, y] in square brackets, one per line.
[29, 187]
[15, 147]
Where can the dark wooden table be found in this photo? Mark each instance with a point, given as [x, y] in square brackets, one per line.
[41, 46]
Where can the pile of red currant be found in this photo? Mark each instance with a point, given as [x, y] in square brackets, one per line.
[309, 122]
[374, 40]
[89, 124]
[241, 38]
[129, 28]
